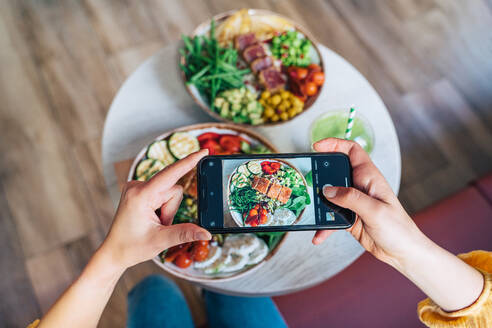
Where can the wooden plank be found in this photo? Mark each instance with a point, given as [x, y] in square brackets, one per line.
[122, 24]
[41, 183]
[18, 306]
[88, 158]
[50, 273]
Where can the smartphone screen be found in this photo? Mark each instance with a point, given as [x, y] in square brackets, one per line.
[274, 192]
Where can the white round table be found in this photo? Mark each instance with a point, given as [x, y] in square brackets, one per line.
[153, 100]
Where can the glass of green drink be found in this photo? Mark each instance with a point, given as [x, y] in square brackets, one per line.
[332, 124]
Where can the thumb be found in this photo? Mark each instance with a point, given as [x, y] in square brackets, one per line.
[182, 233]
[353, 199]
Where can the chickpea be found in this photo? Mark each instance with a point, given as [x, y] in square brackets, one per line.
[269, 112]
[285, 94]
[284, 116]
[281, 107]
[274, 118]
[262, 102]
[276, 100]
[265, 95]
[292, 112]
[298, 109]
[286, 104]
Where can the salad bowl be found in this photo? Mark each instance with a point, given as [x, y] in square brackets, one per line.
[184, 261]
[298, 77]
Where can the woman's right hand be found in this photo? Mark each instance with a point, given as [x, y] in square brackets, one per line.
[382, 226]
[384, 229]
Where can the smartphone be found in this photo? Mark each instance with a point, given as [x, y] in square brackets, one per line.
[272, 192]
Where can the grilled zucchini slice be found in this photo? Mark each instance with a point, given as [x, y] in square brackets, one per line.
[159, 150]
[181, 144]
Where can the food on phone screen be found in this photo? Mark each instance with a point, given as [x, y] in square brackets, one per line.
[260, 193]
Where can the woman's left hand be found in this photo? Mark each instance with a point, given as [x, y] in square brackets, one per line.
[137, 233]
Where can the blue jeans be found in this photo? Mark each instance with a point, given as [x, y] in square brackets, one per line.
[157, 302]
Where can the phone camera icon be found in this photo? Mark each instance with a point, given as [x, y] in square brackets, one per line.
[212, 224]
[212, 193]
[326, 163]
[211, 163]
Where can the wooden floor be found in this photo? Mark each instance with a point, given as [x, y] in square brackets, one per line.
[61, 63]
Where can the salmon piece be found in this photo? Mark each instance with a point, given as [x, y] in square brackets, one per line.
[284, 195]
[274, 190]
[256, 179]
[262, 185]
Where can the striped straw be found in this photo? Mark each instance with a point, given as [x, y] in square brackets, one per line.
[350, 123]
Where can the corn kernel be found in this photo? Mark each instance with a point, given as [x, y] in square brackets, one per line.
[265, 95]
[292, 112]
[274, 118]
[284, 116]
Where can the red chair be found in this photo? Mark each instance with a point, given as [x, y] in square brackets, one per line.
[372, 294]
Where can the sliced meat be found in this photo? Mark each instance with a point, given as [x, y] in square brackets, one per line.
[256, 179]
[243, 41]
[253, 52]
[284, 195]
[192, 189]
[262, 185]
[187, 179]
[261, 63]
[272, 79]
[274, 190]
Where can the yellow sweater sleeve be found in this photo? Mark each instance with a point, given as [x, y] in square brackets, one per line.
[478, 314]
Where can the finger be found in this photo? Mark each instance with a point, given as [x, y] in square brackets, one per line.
[321, 235]
[365, 206]
[156, 189]
[169, 209]
[182, 233]
[355, 152]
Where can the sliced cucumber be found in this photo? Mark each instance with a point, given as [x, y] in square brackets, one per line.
[143, 166]
[158, 150]
[254, 167]
[181, 144]
[243, 170]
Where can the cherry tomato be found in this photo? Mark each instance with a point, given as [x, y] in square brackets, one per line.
[310, 89]
[230, 142]
[263, 211]
[199, 253]
[275, 165]
[253, 212]
[257, 206]
[254, 223]
[318, 78]
[302, 73]
[183, 260]
[263, 219]
[208, 135]
[201, 242]
[314, 68]
[265, 163]
[212, 146]
[173, 252]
